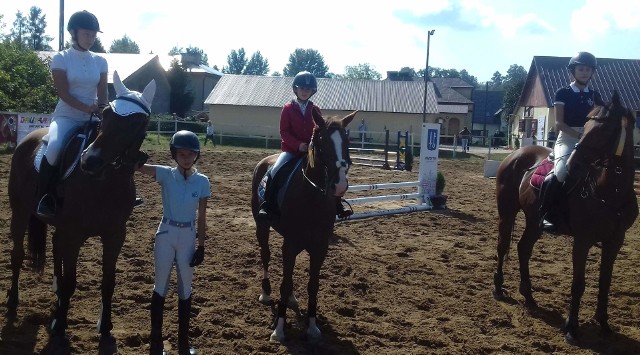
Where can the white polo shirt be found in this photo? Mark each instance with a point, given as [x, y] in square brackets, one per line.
[180, 196]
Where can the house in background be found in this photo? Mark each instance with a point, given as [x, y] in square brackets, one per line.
[251, 105]
[135, 71]
[486, 113]
[534, 115]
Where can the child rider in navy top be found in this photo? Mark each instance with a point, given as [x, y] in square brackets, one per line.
[296, 129]
[184, 191]
[572, 105]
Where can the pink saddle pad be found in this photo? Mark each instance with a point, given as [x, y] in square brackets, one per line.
[541, 172]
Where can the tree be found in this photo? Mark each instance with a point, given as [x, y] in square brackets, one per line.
[361, 71]
[181, 97]
[97, 47]
[18, 34]
[513, 83]
[27, 85]
[496, 81]
[204, 59]
[306, 59]
[257, 65]
[124, 45]
[236, 62]
[464, 75]
[36, 26]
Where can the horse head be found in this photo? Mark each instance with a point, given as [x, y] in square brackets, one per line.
[329, 150]
[607, 135]
[122, 129]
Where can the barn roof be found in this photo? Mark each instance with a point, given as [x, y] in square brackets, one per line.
[612, 74]
[446, 93]
[333, 94]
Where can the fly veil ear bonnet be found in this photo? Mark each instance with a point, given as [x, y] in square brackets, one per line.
[128, 102]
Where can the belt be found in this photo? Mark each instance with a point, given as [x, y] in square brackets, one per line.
[176, 223]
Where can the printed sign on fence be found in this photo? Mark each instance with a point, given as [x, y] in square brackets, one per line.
[29, 122]
[429, 146]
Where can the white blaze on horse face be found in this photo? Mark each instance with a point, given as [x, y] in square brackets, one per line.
[342, 184]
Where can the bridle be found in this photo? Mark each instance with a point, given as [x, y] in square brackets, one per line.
[317, 151]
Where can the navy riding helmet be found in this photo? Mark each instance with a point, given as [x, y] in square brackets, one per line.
[582, 58]
[184, 140]
[83, 20]
[306, 80]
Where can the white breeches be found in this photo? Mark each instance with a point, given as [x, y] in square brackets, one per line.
[561, 151]
[174, 245]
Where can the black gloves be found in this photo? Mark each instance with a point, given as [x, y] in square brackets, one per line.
[198, 257]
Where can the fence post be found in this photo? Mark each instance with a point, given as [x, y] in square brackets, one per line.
[158, 129]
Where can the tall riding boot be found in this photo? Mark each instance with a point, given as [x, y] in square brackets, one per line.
[157, 309]
[341, 212]
[266, 208]
[184, 313]
[46, 186]
[548, 193]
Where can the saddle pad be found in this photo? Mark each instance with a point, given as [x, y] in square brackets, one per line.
[537, 178]
[78, 142]
[288, 169]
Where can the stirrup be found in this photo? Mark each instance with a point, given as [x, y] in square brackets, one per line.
[138, 202]
[46, 207]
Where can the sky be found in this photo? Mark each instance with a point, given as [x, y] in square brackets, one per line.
[481, 36]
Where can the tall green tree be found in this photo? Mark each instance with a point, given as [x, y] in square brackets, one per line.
[124, 45]
[513, 83]
[306, 59]
[19, 34]
[236, 61]
[97, 47]
[464, 75]
[257, 65]
[36, 26]
[361, 71]
[27, 85]
[496, 81]
[204, 59]
[181, 97]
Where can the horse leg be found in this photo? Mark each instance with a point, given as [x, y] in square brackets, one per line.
[580, 252]
[609, 253]
[68, 256]
[286, 289]
[525, 249]
[111, 246]
[316, 259]
[18, 229]
[505, 227]
[262, 234]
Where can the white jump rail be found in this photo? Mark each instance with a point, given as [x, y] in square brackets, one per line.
[424, 203]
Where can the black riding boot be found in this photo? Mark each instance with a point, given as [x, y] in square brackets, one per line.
[184, 313]
[548, 194]
[46, 190]
[266, 208]
[341, 212]
[157, 309]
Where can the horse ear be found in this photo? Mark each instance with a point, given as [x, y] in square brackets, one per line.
[149, 92]
[615, 99]
[317, 117]
[118, 86]
[348, 118]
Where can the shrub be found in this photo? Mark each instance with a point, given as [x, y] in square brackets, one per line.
[440, 183]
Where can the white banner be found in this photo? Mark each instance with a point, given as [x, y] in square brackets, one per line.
[29, 122]
[429, 146]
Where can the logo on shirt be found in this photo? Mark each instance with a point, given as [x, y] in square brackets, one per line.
[194, 194]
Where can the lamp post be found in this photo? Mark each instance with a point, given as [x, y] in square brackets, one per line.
[426, 74]
[61, 27]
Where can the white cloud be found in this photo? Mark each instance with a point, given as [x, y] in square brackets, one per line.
[596, 18]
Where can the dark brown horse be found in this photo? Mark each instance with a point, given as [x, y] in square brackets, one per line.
[307, 216]
[599, 201]
[97, 200]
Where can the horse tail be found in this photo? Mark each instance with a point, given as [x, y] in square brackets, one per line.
[37, 241]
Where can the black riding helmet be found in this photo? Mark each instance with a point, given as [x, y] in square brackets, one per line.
[83, 20]
[582, 58]
[306, 80]
[184, 140]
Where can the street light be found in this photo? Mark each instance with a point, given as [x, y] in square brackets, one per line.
[426, 73]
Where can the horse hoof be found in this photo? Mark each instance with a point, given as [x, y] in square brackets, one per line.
[313, 335]
[571, 339]
[59, 345]
[276, 337]
[265, 299]
[530, 303]
[498, 295]
[107, 345]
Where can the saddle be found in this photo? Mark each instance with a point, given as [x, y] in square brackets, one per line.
[539, 174]
[70, 155]
[281, 180]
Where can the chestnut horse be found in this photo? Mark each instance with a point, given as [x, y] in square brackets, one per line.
[598, 200]
[98, 199]
[307, 216]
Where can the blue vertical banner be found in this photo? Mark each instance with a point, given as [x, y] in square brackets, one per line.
[429, 147]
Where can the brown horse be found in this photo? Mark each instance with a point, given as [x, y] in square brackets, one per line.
[599, 201]
[97, 200]
[307, 216]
